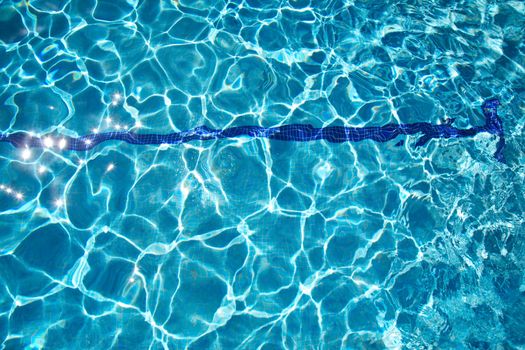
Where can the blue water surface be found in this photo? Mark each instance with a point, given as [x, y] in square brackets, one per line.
[253, 243]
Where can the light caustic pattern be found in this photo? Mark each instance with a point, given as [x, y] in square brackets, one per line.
[246, 241]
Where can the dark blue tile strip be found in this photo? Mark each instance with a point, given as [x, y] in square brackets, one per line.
[291, 132]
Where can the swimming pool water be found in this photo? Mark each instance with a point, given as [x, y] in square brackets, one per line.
[253, 243]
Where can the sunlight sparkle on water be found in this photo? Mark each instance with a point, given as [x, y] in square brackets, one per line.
[48, 142]
[26, 154]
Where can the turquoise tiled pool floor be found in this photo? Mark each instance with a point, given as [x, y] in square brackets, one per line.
[252, 243]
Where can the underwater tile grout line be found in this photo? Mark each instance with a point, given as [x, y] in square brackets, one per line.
[290, 132]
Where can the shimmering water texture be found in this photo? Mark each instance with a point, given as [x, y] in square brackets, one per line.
[294, 132]
[161, 195]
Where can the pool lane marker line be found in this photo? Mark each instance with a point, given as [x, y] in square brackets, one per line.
[290, 132]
